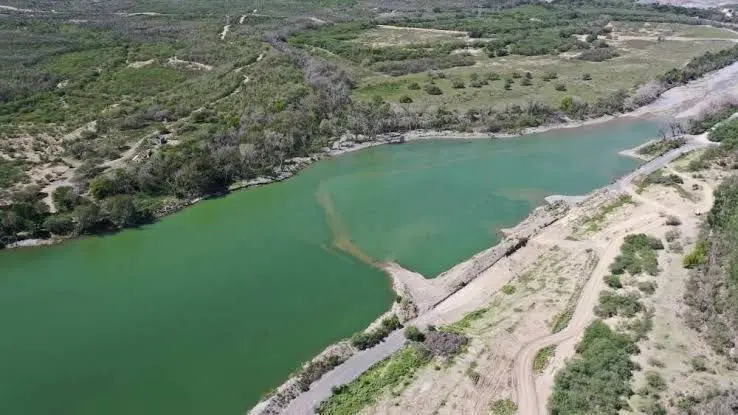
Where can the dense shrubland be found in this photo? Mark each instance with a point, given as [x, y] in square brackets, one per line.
[261, 99]
[712, 289]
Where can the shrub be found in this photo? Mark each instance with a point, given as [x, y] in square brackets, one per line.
[493, 76]
[613, 281]
[560, 87]
[699, 363]
[61, 224]
[595, 381]
[599, 54]
[672, 235]
[414, 334]
[516, 75]
[414, 86]
[458, 84]
[405, 99]
[549, 76]
[504, 407]
[612, 304]
[698, 256]
[508, 289]
[526, 82]
[365, 340]
[476, 84]
[528, 75]
[590, 38]
[672, 220]
[655, 362]
[431, 89]
[647, 287]
[586, 77]
[655, 381]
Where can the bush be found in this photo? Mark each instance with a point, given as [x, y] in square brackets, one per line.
[699, 363]
[414, 86]
[516, 75]
[586, 77]
[599, 54]
[60, 224]
[414, 334]
[508, 289]
[431, 89]
[526, 82]
[549, 76]
[405, 99]
[595, 381]
[612, 304]
[672, 235]
[655, 381]
[647, 287]
[365, 340]
[613, 281]
[698, 256]
[492, 76]
[504, 407]
[560, 87]
[672, 220]
[590, 38]
[458, 84]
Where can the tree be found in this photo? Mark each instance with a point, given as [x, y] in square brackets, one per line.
[122, 211]
[88, 218]
[62, 224]
[65, 198]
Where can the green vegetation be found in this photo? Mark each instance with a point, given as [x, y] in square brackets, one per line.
[542, 358]
[697, 256]
[199, 113]
[504, 407]
[660, 147]
[365, 340]
[593, 223]
[562, 319]
[614, 304]
[598, 379]
[712, 289]
[637, 254]
[613, 281]
[414, 334]
[463, 324]
[508, 289]
[390, 374]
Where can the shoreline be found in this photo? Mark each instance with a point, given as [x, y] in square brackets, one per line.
[425, 295]
[344, 145]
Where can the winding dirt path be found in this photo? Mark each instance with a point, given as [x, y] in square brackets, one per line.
[532, 401]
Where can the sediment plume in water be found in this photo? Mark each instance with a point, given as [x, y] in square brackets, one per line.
[341, 238]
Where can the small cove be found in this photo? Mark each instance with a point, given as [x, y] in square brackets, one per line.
[208, 309]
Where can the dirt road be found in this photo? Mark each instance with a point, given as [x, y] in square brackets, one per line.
[533, 402]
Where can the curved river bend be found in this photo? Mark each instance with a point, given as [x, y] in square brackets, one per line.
[208, 309]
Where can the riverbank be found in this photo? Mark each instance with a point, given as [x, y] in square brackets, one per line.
[566, 253]
[679, 102]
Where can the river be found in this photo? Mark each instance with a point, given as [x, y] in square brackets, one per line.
[206, 310]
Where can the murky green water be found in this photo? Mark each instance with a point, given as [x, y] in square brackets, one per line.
[208, 309]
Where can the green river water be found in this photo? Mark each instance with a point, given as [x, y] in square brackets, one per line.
[208, 309]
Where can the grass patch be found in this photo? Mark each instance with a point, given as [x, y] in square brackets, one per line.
[542, 358]
[562, 319]
[387, 375]
[466, 321]
[504, 407]
[593, 223]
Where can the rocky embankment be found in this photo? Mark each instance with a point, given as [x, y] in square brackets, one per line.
[419, 295]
